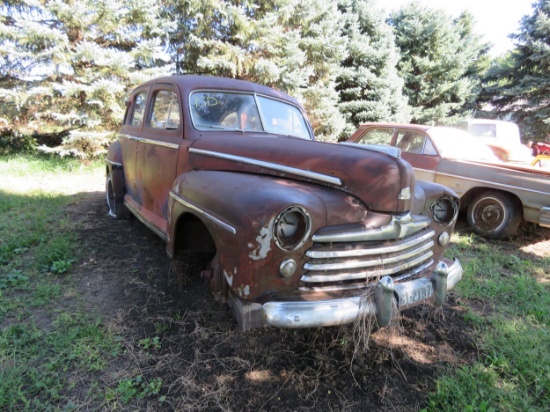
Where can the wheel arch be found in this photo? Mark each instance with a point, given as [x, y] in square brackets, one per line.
[190, 234]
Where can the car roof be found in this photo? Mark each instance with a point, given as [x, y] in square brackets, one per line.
[409, 126]
[188, 82]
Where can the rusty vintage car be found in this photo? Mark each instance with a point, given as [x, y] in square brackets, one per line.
[496, 195]
[300, 233]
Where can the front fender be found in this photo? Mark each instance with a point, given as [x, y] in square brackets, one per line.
[239, 211]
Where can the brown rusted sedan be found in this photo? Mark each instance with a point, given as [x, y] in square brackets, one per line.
[301, 233]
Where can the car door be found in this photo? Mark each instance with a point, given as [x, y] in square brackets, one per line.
[417, 149]
[129, 136]
[157, 155]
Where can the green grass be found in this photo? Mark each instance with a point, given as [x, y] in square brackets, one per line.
[47, 347]
[509, 308]
[37, 164]
[44, 350]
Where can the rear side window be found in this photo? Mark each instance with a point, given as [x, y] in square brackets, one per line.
[411, 141]
[377, 136]
[138, 109]
[166, 111]
[483, 130]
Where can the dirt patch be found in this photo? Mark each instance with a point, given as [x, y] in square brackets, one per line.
[192, 344]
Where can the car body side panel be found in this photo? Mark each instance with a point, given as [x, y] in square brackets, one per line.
[530, 189]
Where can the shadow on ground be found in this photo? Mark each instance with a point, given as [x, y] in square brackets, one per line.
[192, 344]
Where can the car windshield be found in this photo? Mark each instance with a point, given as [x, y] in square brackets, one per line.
[213, 110]
[456, 144]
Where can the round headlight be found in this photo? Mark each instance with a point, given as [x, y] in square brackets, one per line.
[444, 210]
[291, 228]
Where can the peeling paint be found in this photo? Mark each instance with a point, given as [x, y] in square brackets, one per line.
[229, 278]
[243, 291]
[264, 244]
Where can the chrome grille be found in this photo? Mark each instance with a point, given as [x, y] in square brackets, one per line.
[344, 265]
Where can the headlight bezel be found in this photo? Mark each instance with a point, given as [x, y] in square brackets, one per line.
[288, 217]
[444, 210]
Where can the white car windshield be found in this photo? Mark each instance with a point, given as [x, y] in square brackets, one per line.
[214, 110]
[456, 144]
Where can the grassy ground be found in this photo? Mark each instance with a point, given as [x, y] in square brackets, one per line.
[506, 293]
[42, 344]
[47, 344]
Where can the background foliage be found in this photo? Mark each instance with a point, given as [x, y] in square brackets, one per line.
[66, 67]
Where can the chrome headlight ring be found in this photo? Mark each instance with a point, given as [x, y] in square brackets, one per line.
[444, 210]
[291, 228]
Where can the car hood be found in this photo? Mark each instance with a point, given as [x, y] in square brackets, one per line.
[384, 183]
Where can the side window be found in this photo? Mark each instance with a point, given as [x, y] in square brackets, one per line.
[138, 109]
[377, 136]
[483, 130]
[166, 111]
[412, 142]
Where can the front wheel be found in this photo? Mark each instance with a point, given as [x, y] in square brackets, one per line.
[494, 215]
[117, 209]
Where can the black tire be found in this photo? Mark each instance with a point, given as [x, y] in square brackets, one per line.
[494, 215]
[117, 210]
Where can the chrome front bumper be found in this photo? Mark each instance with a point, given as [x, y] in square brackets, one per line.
[308, 314]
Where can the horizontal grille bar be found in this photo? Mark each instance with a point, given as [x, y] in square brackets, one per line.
[367, 274]
[356, 285]
[382, 260]
[334, 263]
[382, 249]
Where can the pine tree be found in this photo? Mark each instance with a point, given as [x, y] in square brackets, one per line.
[69, 65]
[291, 45]
[440, 62]
[369, 86]
[520, 84]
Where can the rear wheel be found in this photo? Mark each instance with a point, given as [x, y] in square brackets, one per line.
[494, 215]
[117, 210]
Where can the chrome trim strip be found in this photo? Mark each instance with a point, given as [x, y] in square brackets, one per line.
[352, 286]
[366, 252]
[485, 182]
[127, 136]
[150, 141]
[365, 274]
[399, 227]
[269, 165]
[203, 213]
[116, 164]
[157, 143]
[145, 222]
